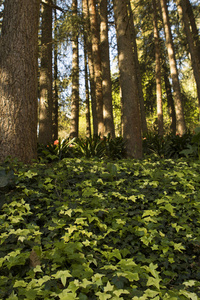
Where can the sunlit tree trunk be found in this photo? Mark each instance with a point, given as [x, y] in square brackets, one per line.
[75, 77]
[88, 44]
[158, 70]
[87, 96]
[182, 10]
[105, 65]
[131, 125]
[46, 97]
[138, 73]
[18, 80]
[97, 64]
[55, 95]
[180, 120]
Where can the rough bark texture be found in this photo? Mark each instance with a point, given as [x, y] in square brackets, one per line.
[182, 10]
[130, 99]
[106, 78]
[97, 64]
[18, 80]
[75, 78]
[46, 97]
[138, 73]
[158, 71]
[88, 44]
[180, 120]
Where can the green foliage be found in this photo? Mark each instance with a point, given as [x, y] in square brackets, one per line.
[168, 146]
[193, 148]
[89, 229]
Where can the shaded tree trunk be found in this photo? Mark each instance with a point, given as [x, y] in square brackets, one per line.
[55, 96]
[130, 100]
[46, 96]
[105, 65]
[138, 73]
[97, 64]
[90, 64]
[75, 77]
[180, 120]
[182, 10]
[87, 96]
[18, 80]
[158, 70]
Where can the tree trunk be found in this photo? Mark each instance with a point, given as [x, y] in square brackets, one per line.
[18, 80]
[46, 97]
[105, 65]
[158, 70]
[97, 64]
[75, 77]
[55, 96]
[130, 99]
[181, 5]
[87, 98]
[138, 73]
[180, 120]
[90, 64]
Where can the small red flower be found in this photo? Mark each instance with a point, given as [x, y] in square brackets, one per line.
[56, 142]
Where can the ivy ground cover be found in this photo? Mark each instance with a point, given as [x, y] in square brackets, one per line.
[91, 229]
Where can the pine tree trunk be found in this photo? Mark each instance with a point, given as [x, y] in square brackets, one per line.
[88, 44]
[138, 73]
[46, 96]
[130, 99]
[106, 78]
[158, 70]
[18, 80]
[180, 119]
[182, 10]
[75, 77]
[55, 67]
[97, 64]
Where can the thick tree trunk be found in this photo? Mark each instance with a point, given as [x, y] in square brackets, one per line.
[158, 70]
[90, 64]
[138, 73]
[180, 120]
[130, 99]
[46, 96]
[105, 65]
[18, 80]
[97, 64]
[182, 10]
[75, 78]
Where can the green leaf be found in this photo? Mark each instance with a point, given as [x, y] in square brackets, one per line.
[62, 275]
[154, 281]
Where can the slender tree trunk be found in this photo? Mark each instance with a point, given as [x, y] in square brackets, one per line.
[46, 97]
[181, 5]
[87, 37]
[170, 100]
[138, 73]
[75, 78]
[106, 78]
[130, 99]
[158, 70]
[97, 64]
[180, 120]
[87, 97]
[18, 80]
[55, 96]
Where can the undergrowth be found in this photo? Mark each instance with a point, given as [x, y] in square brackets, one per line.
[92, 229]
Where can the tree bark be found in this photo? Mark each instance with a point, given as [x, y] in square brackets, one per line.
[46, 96]
[180, 119]
[138, 73]
[87, 98]
[158, 70]
[130, 99]
[75, 77]
[105, 65]
[97, 64]
[18, 80]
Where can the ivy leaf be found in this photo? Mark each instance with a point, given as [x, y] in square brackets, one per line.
[108, 287]
[62, 275]
[153, 281]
